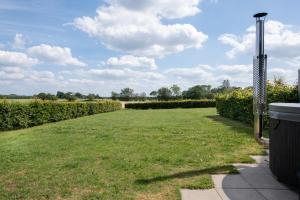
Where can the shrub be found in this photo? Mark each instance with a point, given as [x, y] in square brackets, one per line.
[238, 104]
[15, 115]
[172, 104]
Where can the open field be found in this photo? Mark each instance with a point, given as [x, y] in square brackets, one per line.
[128, 154]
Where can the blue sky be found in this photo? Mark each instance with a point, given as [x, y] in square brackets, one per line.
[103, 46]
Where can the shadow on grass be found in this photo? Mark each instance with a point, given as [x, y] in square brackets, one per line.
[236, 125]
[225, 169]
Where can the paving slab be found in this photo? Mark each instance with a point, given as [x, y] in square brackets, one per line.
[263, 181]
[240, 194]
[230, 181]
[252, 169]
[210, 194]
[254, 182]
[278, 194]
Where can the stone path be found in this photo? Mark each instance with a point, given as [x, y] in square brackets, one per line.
[255, 182]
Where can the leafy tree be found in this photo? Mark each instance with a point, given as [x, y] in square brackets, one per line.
[126, 94]
[91, 97]
[154, 93]
[198, 92]
[60, 95]
[46, 96]
[114, 95]
[164, 94]
[79, 95]
[70, 96]
[176, 91]
[142, 96]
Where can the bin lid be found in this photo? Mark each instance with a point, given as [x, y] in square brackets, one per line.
[285, 111]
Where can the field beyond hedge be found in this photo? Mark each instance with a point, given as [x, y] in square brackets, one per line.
[127, 154]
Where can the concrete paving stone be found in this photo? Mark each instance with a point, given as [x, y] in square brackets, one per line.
[253, 169]
[230, 181]
[263, 181]
[240, 194]
[278, 194]
[210, 194]
[255, 182]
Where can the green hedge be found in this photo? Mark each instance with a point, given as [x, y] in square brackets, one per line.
[172, 104]
[16, 115]
[238, 104]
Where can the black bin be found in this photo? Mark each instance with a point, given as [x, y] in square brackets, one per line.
[285, 141]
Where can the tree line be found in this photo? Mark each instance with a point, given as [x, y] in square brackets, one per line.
[70, 96]
[172, 93]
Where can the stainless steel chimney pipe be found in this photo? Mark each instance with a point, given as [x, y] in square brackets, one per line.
[259, 80]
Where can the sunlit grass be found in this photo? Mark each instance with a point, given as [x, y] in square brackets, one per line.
[129, 154]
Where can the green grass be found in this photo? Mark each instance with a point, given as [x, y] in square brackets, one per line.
[128, 154]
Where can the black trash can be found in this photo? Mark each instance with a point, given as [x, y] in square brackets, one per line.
[285, 142]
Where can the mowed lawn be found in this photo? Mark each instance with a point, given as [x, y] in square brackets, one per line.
[128, 154]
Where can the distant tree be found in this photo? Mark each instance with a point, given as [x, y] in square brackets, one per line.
[164, 94]
[114, 95]
[278, 80]
[142, 96]
[42, 96]
[46, 96]
[70, 96]
[126, 94]
[79, 95]
[176, 91]
[91, 97]
[226, 84]
[60, 95]
[154, 93]
[198, 92]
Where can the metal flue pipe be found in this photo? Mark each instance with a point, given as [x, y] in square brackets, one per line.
[259, 80]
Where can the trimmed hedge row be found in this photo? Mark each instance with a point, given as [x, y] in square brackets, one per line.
[238, 104]
[172, 104]
[16, 115]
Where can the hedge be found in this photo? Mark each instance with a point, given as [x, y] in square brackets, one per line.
[172, 104]
[16, 115]
[238, 104]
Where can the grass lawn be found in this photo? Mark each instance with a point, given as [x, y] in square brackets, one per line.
[128, 154]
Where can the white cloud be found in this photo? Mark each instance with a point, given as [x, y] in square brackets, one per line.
[199, 73]
[2, 46]
[11, 73]
[124, 74]
[288, 75]
[281, 41]
[169, 9]
[19, 41]
[235, 69]
[85, 82]
[108, 73]
[46, 76]
[239, 75]
[10, 58]
[131, 62]
[59, 55]
[136, 28]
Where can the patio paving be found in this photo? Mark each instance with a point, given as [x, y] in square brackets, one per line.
[254, 182]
